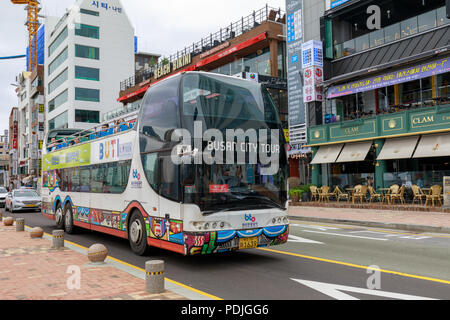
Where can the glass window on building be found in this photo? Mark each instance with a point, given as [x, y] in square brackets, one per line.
[409, 27]
[58, 122]
[362, 43]
[59, 80]
[282, 60]
[427, 89]
[90, 12]
[443, 85]
[58, 61]
[86, 73]
[87, 52]
[409, 92]
[258, 63]
[59, 39]
[85, 94]
[88, 31]
[427, 20]
[87, 116]
[442, 17]
[58, 100]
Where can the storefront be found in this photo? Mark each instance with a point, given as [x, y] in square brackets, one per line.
[392, 128]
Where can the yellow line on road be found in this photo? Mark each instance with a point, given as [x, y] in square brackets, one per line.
[356, 266]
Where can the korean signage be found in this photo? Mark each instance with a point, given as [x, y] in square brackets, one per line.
[106, 6]
[312, 63]
[312, 54]
[389, 79]
[294, 64]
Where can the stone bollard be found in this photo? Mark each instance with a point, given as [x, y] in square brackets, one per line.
[20, 224]
[36, 233]
[8, 221]
[97, 253]
[154, 276]
[58, 239]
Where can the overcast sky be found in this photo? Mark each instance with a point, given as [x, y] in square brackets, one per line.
[162, 27]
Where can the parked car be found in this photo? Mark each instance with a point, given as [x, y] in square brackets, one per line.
[3, 194]
[23, 199]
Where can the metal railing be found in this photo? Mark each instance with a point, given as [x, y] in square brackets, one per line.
[207, 43]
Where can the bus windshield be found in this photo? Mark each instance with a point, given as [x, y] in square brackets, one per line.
[223, 105]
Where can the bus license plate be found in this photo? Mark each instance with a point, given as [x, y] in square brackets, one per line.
[30, 205]
[248, 243]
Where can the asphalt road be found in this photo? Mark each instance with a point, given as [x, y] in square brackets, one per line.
[321, 261]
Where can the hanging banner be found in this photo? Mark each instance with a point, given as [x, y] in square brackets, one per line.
[390, 79]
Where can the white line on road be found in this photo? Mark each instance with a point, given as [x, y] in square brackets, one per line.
[334, 291]
[293, 238]
[344, 235]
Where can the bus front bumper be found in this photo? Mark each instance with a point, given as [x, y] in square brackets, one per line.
[232, 240]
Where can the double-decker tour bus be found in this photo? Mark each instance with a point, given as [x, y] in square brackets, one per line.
[202, 169]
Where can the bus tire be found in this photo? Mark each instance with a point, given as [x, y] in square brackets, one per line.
[137, 234]
[59, 216]
[68, 220]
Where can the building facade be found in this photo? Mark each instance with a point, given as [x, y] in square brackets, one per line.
[88, 52]
[253, 47]
[386, 116]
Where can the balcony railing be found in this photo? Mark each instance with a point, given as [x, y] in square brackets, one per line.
[428, 20]
[207, 43]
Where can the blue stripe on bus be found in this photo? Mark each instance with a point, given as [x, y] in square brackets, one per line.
[249, 233]
[274, 231]
[224, 236]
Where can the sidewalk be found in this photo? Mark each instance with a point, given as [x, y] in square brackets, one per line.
[417, 221]
[31, 270]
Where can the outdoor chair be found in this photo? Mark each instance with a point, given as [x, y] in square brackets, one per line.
[314, 193]
[418, 194]
[341, 195]
[399, 195]
[374, 195]
[325, 194]
[361, 193]
[435, 195]
[392, 191]
[355, 191]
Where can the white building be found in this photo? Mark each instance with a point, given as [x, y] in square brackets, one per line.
[88, 52]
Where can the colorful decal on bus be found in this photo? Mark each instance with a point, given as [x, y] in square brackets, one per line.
[73, 157]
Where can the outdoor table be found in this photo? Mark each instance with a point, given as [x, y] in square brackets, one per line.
[384, 191]
[426, 190]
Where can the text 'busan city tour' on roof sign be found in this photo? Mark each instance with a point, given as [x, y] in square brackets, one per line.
[177, 64]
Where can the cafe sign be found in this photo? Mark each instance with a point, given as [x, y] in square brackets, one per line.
[175, 65]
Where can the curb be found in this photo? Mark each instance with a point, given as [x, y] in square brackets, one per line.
[386, 225]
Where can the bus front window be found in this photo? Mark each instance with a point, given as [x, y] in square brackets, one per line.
[220, 105]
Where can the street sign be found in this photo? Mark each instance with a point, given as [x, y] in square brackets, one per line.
[335, 291]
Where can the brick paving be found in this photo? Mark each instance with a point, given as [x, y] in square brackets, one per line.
[31, 270]
[436, 219]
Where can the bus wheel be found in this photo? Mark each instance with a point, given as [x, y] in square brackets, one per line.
[137, 234]
[59, 217]
[68, 220]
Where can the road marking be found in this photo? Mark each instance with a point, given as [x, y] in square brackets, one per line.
[345, 235]
[356, 265]
[334, 291]
[400, 236]
[293, 238]
[322, 228]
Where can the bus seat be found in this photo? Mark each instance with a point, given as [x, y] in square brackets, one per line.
[123, 127]
[92, 136]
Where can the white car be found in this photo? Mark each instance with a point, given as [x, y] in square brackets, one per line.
[23, 199]
[3, 194]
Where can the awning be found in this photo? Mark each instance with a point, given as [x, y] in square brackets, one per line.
[353, 152]
[434, 145]
[400, 148]
[327, 154]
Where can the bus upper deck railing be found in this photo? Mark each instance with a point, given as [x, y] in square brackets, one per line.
[97, 132]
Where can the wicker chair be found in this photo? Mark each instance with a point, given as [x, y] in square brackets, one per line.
[361, 193]
[435, 195]
[324, 194]
[418, 194]
[374, 195]
[314, 193]
[399, 195]
[340, 195]
[392, 191]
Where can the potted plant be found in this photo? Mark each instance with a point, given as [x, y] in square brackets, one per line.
[295, 194]
[306, 193]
